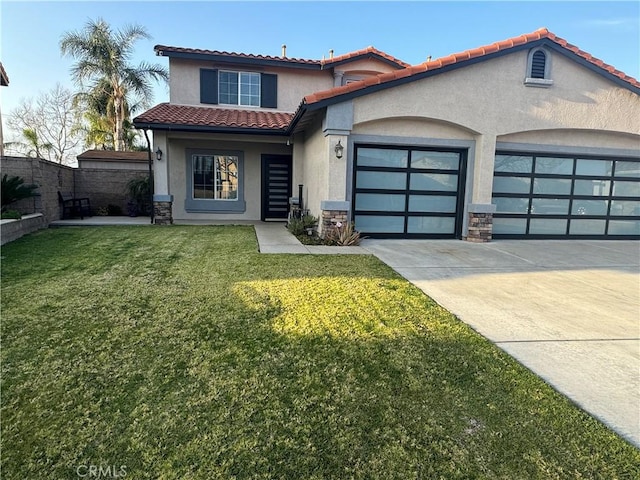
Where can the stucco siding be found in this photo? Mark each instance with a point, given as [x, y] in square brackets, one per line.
[316, 167]
[252, 153]
[582, 138]
[490, 98]
[293, 84]
[413, 127]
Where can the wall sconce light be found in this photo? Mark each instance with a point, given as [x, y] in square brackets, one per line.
[339, 148]
[159, 154]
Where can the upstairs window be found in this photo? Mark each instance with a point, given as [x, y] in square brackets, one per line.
[538, 68]
[246, 89]
[239, 88]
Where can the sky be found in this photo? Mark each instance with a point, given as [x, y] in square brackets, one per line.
[411, 31]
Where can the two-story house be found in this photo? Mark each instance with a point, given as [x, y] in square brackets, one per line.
[525, 138]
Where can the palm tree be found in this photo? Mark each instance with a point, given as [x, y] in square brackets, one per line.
[103, 68]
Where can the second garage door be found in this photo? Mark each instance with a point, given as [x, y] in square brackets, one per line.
[407, 192]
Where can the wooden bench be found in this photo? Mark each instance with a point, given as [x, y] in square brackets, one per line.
[74, 207]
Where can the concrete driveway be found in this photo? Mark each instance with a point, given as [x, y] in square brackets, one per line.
[567, 310]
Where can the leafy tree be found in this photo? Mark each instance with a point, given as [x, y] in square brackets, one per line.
[111, 85]
[48, 126]
[14, 189]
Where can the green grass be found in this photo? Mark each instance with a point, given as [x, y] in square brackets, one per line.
[182, 353]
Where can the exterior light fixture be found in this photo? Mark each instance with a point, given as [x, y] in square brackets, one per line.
[339, 148]
[159, 154]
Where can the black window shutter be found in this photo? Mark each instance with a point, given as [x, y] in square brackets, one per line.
[268, 90]
[538, 64]
[208, 86]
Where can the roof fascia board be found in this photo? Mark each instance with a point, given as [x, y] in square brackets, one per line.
[228, 59]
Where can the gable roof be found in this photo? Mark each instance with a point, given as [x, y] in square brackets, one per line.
[207, 119]
[166, 116]
[113, 156]
[541, 37]
[267, 60]
[369, 52]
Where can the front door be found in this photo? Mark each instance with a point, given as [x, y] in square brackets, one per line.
[276, 186]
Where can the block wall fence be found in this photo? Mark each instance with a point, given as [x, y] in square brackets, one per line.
[102, 186]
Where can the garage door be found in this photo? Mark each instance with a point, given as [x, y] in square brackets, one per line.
[546, 196]
[406, 192]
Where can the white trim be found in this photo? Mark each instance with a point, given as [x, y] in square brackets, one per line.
[238, 83]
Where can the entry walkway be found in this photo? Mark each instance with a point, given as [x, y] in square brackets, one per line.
[567, 310]
[273, 237]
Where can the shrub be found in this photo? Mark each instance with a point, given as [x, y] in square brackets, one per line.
[343, 235]
[14, 189]
[11, 214]
[309, 221]
[296, 226]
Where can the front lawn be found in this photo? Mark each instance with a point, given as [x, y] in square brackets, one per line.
[182, 353]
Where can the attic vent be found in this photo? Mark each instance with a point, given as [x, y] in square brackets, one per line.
[538, 63]
[538, 68]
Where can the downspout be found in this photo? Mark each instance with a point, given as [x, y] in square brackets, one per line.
[151, 182]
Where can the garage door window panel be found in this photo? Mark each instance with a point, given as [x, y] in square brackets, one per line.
[379, 224]
[552, 186]
[600, 168]
[430, 225]
[435, 160]
[519, 205]
[550, 206]
[547, 226]
[513, 163]
[510, 226]
[627, 227]
[625, 208]
[627, 169]
[432, 203]
[379, 157]
[381, 180]
[626, 189]
[512, 185]
[587, 227]
[553, 165]
[434, 182]
[380, 202]
[589, 207]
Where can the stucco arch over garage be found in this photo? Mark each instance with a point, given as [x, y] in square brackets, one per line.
[582, 138]
[414, 126]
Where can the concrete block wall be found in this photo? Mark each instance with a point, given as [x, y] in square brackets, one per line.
[101, 186]
[49, 176]
[105, 186]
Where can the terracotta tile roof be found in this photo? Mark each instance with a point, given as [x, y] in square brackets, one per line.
[112, 155]
[182, 115]
[365, 52]
[369, 51]
[461, 57]
[162, 49]
[4, 78]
